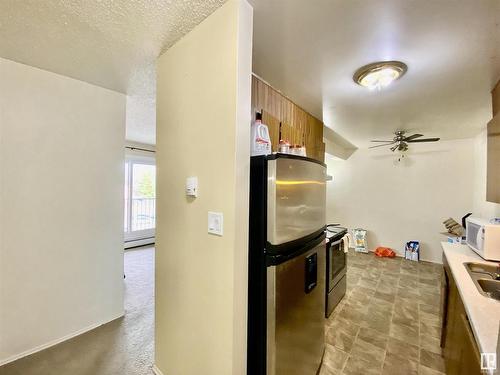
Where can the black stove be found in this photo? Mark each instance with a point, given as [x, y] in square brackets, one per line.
[334, 231]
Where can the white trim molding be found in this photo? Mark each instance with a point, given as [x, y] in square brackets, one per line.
[55, 342]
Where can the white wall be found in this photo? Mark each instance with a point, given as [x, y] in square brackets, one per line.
[203, 129]
[398, 202]
[482, 208]
[141, 117]
[61, 207]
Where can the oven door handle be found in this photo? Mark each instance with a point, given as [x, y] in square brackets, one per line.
[337, 242]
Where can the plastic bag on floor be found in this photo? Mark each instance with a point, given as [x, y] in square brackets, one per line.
[385, 252]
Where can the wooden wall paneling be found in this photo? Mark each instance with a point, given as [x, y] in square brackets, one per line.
[287, 111]
[273, 125]
[495, 98]
[297, 126]
[291, 118]
[255, 95]
[273, 103]
[309, 135]
[300, 123]
[258, 102]
[268, 101]
[287, 133]
[314, 137]
[320, 145]
[265, 97]
[318, 134]
[288, 129]
[321, 152]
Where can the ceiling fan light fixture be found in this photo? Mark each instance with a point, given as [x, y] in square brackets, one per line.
[380, 74]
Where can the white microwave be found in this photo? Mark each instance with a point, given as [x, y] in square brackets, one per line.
[483, 237]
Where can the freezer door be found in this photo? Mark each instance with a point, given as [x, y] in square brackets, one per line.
[296, 198]
[296, 314]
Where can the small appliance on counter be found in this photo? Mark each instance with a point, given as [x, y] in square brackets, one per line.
[336, 266]
[483, 237]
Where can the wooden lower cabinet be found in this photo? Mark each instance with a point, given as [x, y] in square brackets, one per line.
[460, 350]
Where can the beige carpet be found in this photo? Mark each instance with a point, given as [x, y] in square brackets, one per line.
[122, 347]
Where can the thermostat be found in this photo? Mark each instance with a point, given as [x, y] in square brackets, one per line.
[192, 186]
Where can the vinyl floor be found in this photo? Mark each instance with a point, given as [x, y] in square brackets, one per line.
[388, 322]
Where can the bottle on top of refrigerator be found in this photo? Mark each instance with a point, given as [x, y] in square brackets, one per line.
[284, 147]
[261, 142]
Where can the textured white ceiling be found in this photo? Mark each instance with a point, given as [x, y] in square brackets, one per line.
[307, 49]
[310, 50]
[112, 44]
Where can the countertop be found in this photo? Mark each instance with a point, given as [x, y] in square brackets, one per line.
[483, 312]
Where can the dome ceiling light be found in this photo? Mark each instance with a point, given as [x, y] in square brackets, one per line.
[380, 74]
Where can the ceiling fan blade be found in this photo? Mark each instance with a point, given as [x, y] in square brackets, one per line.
[413, 137]
[391, 141]
[385, 144]
[424, 140]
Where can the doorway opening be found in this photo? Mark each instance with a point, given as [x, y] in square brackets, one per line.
[140, 200]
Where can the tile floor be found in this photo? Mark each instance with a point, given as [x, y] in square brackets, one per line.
[388, 322]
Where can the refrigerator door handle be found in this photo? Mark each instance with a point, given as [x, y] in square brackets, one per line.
[311, 279]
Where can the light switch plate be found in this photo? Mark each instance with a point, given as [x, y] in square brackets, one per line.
[215, 223]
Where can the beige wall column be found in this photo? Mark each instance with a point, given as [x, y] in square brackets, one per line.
[203, 130]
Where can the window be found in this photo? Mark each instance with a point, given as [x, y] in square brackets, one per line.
[140, 198]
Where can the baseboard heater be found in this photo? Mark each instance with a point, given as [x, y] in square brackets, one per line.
[140, 242]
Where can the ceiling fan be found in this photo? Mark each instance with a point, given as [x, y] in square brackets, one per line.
[400, 141]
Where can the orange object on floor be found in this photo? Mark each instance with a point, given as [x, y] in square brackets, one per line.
[385, 252]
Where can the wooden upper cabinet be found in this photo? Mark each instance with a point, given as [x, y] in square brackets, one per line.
[285, 118]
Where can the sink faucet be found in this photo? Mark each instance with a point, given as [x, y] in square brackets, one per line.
[493, 275]
[496, 275]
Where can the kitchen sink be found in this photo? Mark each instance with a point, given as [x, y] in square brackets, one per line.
[487, 269]
[486, 278]
[491, 287]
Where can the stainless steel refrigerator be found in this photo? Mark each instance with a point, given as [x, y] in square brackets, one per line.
[286, 307]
